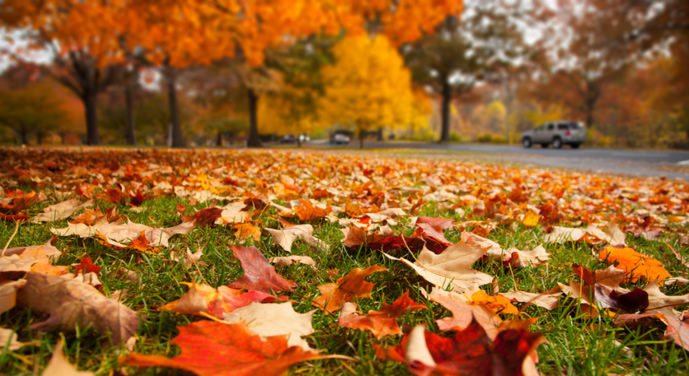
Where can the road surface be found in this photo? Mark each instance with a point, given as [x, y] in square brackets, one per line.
[671, 164]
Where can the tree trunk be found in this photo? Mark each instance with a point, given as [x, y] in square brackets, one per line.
[445, 111]
[218, 139]
[254, 139]
[39, 137]
[362, 134]
[129, 108]
[176, 128]
[23, 136]
[89, 100]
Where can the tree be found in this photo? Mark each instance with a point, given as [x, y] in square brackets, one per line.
[83, 37]
[368, 87]
[31, 110]
[452, 60]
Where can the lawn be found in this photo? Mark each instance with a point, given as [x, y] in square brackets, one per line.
[159, 225]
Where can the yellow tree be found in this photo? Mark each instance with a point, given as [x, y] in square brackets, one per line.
[368, 87]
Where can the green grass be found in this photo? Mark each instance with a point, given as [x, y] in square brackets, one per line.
[577, 344]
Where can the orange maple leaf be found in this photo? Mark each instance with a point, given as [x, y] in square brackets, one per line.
[637, 265]
[350, 287]
[381, 323]
[213, 348]
[310, 213]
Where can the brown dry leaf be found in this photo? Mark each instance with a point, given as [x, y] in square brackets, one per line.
[289, 260]
[351, 286]
[287, 236]
[187, 258]
[275, 319]
[677, 329]
[61, 211]
[381, 323]
[59, 366]
[71, 303]
[15, 263]
[233, 213]
[8, 341]
[452, 267]
[117, 233]
[8, 294]
[544, 300]
[515, 257]
[657, 300]
[463, 313]
[593, 233]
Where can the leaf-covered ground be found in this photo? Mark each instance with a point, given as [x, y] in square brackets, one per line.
[147, 261]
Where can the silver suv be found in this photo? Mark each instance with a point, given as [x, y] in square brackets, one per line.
[557, 133]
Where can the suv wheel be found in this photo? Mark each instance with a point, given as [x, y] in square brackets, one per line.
[526, 142]
[557, 143]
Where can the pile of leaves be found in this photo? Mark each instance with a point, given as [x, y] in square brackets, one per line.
[247, 262]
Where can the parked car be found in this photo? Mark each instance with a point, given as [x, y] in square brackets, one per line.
[557, 133]
[304, 138]
[288, 139]
[339, 139]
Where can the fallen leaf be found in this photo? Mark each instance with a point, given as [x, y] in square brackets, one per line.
[531, 219]
[289, 260]
[204, 299]
[8, 341]
[310, 213]
[286, 237]
[213, 348]
[86, 266]
[247, 230]
[463, 313]
[380, 323]
[59, 366]
[258, 273]
[8, 294]
[71, 303]
[677, 330]
[452, 267]
[592, 234]
[268, 320]
[637, 265]
[469, 352]
[61, 211]
[544, 300]
[346, 289]
[496, 303]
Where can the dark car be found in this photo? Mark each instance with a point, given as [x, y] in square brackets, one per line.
[557, 133]
[288, 139]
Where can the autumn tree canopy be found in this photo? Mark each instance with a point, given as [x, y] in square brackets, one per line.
[368, 87]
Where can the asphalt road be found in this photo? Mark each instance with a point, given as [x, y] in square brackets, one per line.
[617, 161]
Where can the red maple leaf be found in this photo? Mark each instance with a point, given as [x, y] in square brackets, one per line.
[86, 266]
[470, 352]
[259, 274]
[212, 348]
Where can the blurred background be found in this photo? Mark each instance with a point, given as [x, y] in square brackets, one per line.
[228, 72]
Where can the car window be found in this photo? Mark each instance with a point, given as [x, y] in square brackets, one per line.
[551, 127]
[563, 126]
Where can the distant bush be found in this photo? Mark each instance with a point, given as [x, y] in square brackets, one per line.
[485, 138]
[499, 140]
[455, 137]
